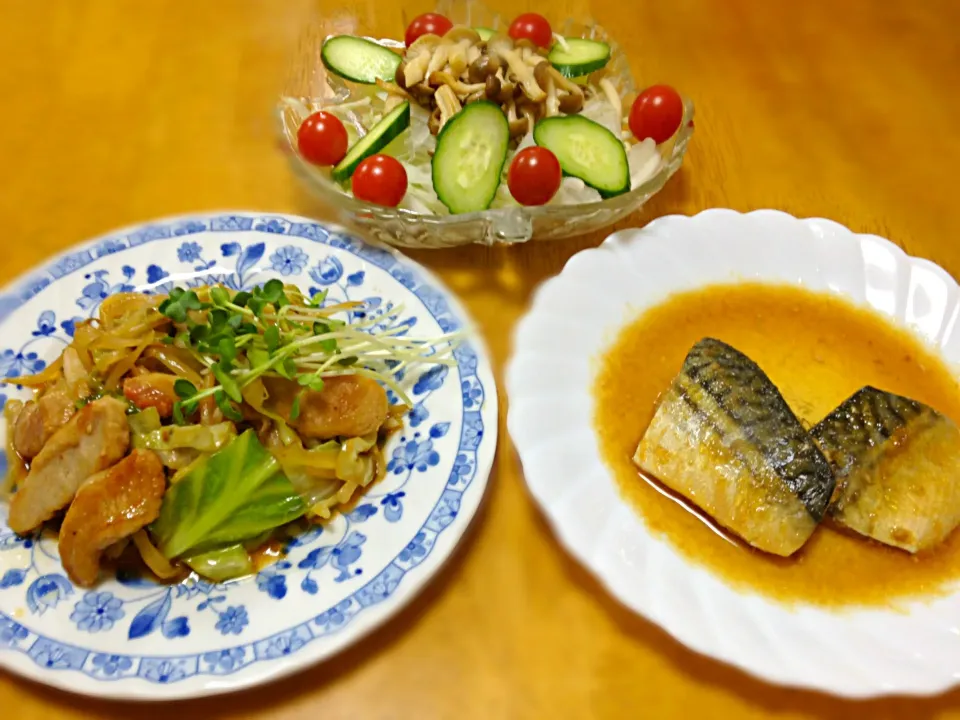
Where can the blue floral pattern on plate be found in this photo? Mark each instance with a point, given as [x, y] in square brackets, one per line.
[180, 638]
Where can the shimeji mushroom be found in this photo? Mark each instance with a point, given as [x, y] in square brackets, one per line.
[420, 91]
[444, 74]
[502, 47]
[527, 48]
[482, 68]
[507, 88]
[545, 80]
[433, 124]
[399, 77]
[571, 101]
[475, 97]
[475, 52]
[438, 60]
[492, 87]
[530, 112]
[448, 104]
[518, 125]
[418, 58]
[459, 39]
[562, 95]
[442, 77]
[393, 89]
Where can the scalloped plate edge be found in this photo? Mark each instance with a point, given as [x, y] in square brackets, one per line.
[588, 555]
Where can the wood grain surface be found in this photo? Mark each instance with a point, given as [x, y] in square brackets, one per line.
[118, 111]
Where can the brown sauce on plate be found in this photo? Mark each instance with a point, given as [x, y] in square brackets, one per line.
[818, 349]
[267, 554]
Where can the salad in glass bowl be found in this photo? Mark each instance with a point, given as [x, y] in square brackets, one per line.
[473, 130]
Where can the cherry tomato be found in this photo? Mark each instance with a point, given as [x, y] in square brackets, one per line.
[534, 28]
[534, 176]
[322, 139]
[381, 180]
[656, 113]
[427, 23]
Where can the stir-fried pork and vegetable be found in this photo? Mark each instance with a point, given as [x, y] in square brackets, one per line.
[191, 429]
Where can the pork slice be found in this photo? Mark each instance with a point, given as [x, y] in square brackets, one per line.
[111, 505]
[92, 440]
[348, 406]
[40, 419]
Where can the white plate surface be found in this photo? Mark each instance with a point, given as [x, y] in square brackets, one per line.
[856, 653]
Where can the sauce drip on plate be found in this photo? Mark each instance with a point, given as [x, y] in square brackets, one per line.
[818, 349]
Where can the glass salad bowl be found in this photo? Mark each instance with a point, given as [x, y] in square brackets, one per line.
[312, 87]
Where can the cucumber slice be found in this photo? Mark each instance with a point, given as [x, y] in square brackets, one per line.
[359, 60]
[380, 135]
[581, 57]
[586, 150]
[485, 33]
[468, 162]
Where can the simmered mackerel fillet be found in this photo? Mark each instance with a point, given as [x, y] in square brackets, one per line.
[897, 464]
[724, 438]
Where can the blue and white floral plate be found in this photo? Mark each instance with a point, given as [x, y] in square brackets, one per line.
[129, 638]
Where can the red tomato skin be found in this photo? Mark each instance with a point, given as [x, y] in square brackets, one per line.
[534, 27]
[381, 180]
[656, 113]
[322, 139]
[534, 176]
[433, 23]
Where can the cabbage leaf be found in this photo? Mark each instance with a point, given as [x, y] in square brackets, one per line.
[222, 564]
[237, 493]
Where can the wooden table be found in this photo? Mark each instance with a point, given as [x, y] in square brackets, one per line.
[116, 112]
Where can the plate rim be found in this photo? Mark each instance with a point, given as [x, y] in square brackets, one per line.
[678, 224]
[316, 649]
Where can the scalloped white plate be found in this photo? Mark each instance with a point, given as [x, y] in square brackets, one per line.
[855, 653]
[131, 638]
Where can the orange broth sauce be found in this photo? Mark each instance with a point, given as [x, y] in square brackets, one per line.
[818, 349]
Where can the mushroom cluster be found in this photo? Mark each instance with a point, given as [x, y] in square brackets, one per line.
[445, 73]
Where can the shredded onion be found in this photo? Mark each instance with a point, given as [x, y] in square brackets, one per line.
[125, 364]
[152, 557]
[49, 374]
[178, 361]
